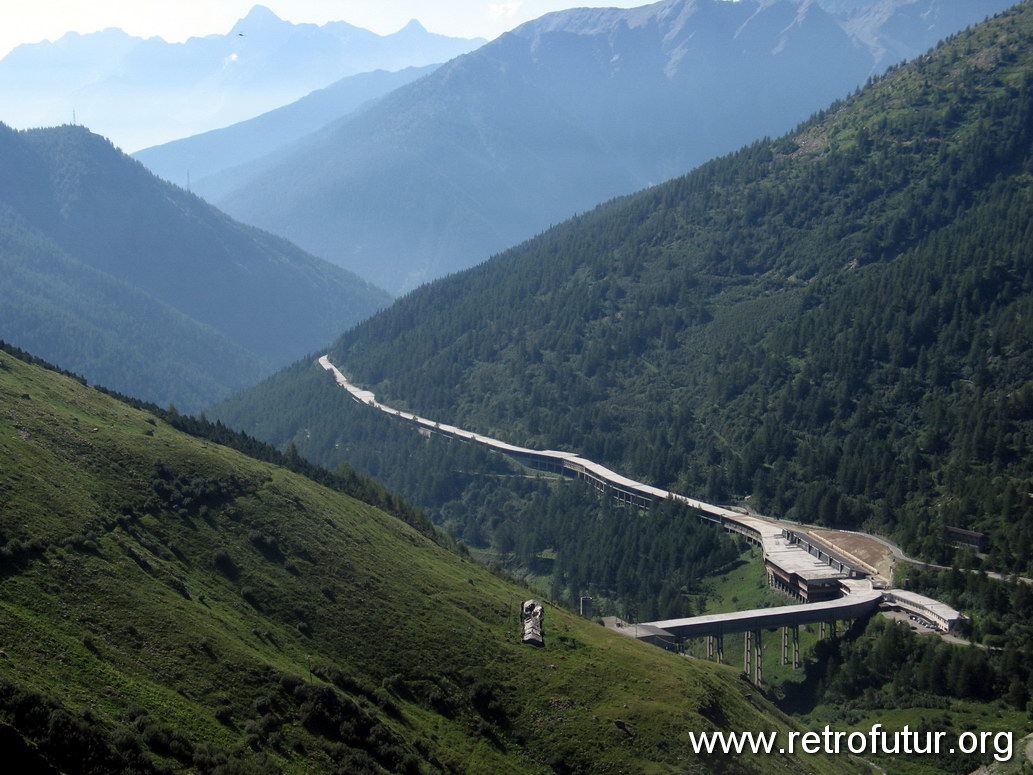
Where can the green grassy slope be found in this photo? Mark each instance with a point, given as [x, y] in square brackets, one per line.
[167, 604]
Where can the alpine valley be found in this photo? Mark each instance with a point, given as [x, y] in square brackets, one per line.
[833, 323]
[831, 327]
[804, 368]
[562, 113]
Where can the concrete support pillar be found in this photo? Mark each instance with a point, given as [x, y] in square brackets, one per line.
[785, 645]
[710, 647]
[833, 628]
[720, 648]
[747, 652]
[758, 653]
[821, 631]
[796, 646]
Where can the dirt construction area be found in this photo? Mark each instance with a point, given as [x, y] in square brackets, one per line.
[864, 548]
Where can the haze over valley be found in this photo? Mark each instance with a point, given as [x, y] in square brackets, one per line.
[639, 390]
[556, 116]
[140, 92]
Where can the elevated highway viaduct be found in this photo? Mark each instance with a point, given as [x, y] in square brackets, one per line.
[859, 601]
[759, 530]
[832, 584]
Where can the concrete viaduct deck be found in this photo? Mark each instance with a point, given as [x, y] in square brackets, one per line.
[849, 607]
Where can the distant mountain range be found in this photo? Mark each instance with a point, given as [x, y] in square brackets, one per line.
[196, 162]
[143, 287]
[562, 113]
[143, 92]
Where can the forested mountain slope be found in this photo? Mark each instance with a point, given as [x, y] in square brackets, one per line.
[565, 112]
[170, 605]
[109, 330]
[834, 324]
[190, 161]
[140, 285]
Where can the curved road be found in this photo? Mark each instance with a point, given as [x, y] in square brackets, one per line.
[848, 554]
[833, 547]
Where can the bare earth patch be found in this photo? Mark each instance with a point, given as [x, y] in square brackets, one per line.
[864, 548]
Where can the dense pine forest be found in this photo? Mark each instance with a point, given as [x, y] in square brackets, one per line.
[881, 669]
[832, 326]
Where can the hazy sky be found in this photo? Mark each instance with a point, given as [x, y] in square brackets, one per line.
[30, 21]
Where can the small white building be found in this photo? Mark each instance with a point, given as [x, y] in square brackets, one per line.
[939, 614]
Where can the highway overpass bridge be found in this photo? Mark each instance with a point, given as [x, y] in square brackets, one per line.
[858, 600]
[852, 606]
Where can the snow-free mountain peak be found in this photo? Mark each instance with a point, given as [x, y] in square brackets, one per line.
[142, 92]
[258, 19]
[414, 26]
